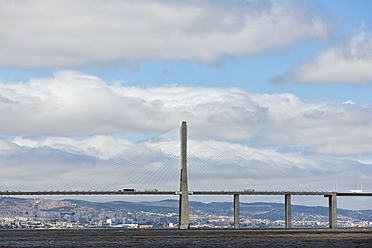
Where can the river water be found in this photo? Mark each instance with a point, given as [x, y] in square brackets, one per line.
[187, 238]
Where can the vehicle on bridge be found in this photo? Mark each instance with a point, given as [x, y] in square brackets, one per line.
[356, 191]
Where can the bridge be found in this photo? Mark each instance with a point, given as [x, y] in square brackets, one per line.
[183, 193]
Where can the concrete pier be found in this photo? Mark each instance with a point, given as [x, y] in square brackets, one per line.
[236, 211]
[287, 200]
[184, 218]
[332, 206]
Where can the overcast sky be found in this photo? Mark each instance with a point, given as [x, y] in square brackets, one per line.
[287, 84]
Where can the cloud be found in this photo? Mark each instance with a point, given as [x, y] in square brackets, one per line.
[44, 34]
[77, 104]
[98, 146]
[31, 166]
[349, 62]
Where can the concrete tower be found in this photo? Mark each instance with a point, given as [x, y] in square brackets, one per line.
[184, 218]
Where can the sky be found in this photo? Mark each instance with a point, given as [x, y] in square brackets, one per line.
[289, 82]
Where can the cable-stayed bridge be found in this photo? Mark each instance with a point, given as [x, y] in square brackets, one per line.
[207, 168]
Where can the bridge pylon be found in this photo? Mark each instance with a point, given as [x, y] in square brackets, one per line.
[184, 213]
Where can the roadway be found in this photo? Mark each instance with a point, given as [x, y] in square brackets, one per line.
[157, 192]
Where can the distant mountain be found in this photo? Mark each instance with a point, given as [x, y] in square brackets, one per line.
[258, 210]
[32, 204]
[166, 206]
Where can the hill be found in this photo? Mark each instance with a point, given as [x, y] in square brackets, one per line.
[258, 210]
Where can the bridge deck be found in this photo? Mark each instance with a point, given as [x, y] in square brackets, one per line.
[138, 192]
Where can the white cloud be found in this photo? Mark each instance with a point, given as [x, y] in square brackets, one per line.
[76, 104]
[41, 34]
[98, 146]
[350, 62]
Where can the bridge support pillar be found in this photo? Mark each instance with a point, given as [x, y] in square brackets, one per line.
[236, 211]
[184, 213]
[287, 200]
[332, 207]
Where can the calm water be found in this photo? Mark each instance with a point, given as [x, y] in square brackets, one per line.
[188, 238]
